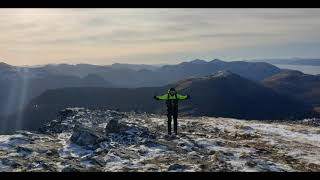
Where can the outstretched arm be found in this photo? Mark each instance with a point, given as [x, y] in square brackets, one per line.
[182, 97]
[163, 97]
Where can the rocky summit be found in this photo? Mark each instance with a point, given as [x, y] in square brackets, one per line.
[104, 140]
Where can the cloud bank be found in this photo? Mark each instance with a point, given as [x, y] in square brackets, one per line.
[104, 36]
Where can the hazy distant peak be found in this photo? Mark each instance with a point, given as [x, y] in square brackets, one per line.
[57, 65]
[216, 61]
[288, 74]
[198, 61]
[4, 65]
[293, 72]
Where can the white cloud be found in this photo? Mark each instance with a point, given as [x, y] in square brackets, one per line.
[39, 36]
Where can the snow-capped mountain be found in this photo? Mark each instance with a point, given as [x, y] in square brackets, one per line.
[103, 140]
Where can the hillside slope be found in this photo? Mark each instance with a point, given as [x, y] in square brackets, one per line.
[227, 94]
[19, 85]
[223, 94]
[296, 84]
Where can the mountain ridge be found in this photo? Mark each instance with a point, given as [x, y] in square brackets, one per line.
[292, 61]
[296, 84]
[223, 94]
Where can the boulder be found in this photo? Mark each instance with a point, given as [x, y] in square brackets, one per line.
[52, 152]
[24, 150]
[114, 126]
[175, 167]
[85, 137]
[98, 161]
[125, 154]
[251, 164]
[10, 162]
[73, 168]
[64, 114]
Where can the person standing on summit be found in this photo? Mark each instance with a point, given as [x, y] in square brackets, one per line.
[172, 98]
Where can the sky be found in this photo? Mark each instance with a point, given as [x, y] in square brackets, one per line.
[155, 36]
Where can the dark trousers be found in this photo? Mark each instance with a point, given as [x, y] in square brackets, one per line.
[175, 122]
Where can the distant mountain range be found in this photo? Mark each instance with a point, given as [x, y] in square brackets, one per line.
[30, 96]
[292, 61]
[21, 84]
[223, 94]
[136, 67]
[128, 75]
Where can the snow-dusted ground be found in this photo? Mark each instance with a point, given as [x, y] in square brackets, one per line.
[204, 144]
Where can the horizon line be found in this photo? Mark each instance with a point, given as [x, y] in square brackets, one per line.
[161, 64]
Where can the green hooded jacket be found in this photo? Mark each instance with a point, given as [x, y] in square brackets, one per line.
[168, 96]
